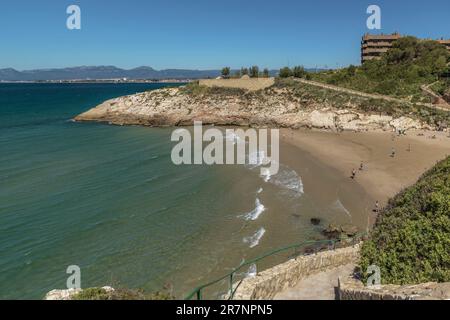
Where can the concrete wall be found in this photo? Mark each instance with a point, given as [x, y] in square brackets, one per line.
[252, 84]
[274, 280]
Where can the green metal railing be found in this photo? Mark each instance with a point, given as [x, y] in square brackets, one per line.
[198, 292]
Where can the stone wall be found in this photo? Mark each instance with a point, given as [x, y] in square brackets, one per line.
[266, 284]
[352, 289]
[252, 84]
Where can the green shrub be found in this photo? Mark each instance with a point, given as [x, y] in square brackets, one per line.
[120, 294]
[196, 90]
[410, 241]
[285, 72]
[299, 72]
[226, 72]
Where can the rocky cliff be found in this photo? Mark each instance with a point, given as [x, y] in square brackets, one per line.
[276, 106]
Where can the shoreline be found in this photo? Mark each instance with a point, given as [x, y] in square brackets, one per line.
[383, 176]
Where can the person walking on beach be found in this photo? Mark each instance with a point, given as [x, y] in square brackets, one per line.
[353, 174]
[377, 207]
[393, 153]
[361, 166]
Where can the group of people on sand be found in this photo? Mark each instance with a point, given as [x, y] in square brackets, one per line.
[361, 168]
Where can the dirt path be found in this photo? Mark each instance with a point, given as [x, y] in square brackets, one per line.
[434, 95]
[370, 95]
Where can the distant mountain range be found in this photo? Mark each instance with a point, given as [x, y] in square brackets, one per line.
[105, 72]
[102, 72]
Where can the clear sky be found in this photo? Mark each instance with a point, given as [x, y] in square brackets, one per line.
[204, 34]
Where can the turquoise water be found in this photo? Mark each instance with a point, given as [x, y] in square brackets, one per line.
[109, 199]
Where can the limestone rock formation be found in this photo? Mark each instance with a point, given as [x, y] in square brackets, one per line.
[272, 107]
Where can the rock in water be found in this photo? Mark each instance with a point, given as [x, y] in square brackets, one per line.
[332, 232]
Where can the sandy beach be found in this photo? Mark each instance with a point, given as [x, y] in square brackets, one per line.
[383, 175]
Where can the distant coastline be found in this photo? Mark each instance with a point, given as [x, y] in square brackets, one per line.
[112, 73]
[104, 81]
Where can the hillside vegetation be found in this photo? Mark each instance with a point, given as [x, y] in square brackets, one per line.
[411, 239]
[400, 72]
[120, 294]
[312, 97]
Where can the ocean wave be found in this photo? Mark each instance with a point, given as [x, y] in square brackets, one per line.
[285, 178]
[252, 271]
[253, 240]
[288, 178]
[255, 213]
[265, 174]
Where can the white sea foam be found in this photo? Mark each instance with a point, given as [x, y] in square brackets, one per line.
[265, 174]
[253, 240]
[288, 178]
[252, 271]
[255, 213]
[259, 190]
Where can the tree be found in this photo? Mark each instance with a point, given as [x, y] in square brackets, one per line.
[299, 72]
[285, 72]
[244, 71]
[226, 72]
[254, 72]
[351, 70]
[237, 74]
[266, 73]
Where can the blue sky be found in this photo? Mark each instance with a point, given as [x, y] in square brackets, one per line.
[204, 34]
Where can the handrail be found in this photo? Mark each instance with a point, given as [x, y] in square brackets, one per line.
[198, 291]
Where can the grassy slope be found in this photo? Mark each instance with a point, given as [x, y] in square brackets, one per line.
[411, 239]
[400, 72]
[306, 95]
[342, 100]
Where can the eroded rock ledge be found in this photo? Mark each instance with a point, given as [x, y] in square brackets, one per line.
[273, 107]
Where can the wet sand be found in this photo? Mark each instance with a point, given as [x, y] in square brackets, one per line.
[383, 176]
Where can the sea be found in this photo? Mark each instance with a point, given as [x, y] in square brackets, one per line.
[109, 200]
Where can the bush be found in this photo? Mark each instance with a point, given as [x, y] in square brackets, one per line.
[120, 294]
[285, 72]
[411, 238]
[244, 71]
[299, 72]
[226, 72]
[254, 72]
